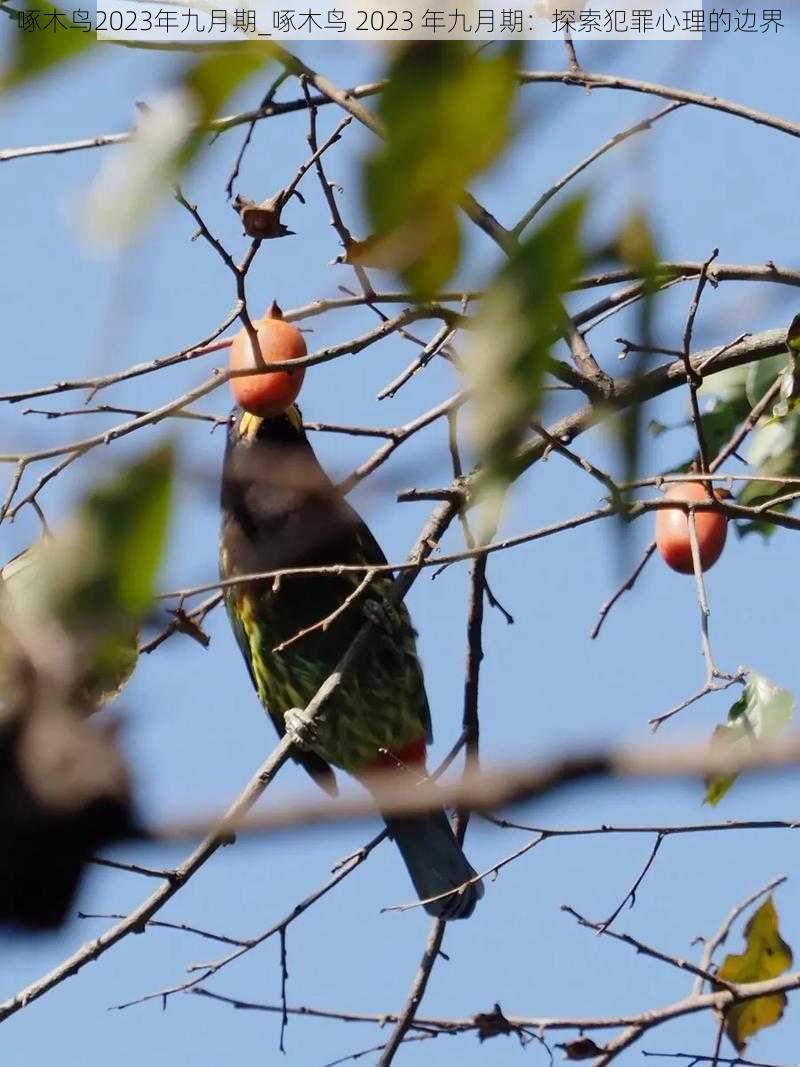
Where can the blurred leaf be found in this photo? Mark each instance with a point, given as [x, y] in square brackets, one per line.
[26, 580]
[774, 448]
[64, 794]
[214, 78]
[636, 247]
[447, 113]
[770, 445]
[70, 608]
[760, 376]
[766, 956]
[725, 385]
[508, 349]
[657, 428]
[128, 516]
[96, 580]
[721, 422]
[774, 452]
[793, 335]
[762, 713]
[43, 38]
[170, 134]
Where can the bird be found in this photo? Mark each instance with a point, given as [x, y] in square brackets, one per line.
[280, 510]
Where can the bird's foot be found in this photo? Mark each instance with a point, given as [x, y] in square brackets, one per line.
[385, 616]
[300, 731]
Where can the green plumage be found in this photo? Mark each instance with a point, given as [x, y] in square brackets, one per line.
[280, 510]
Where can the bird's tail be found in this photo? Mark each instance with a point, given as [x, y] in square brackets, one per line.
[436, 863]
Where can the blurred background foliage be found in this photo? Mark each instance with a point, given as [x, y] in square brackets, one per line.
[71, 608]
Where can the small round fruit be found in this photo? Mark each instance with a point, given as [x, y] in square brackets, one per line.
[272, 392]
[672, 528]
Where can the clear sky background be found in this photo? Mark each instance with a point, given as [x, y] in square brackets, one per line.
[192, 724]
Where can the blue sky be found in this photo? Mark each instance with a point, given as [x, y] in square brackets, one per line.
[193, 726]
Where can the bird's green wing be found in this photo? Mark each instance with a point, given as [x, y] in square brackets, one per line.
[369, 551]
[315, 766]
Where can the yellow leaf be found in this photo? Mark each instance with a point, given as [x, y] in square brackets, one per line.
[766, 956]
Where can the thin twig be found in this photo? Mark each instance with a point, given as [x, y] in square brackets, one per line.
[418, 987]
[648, 950]
[618, 138]
[266, 101]
[626, 587]
[159, 924]
[324, 624]
[585, 79]
[693, 376]
[630, 896]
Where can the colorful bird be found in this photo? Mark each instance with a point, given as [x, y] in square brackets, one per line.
[279, 510]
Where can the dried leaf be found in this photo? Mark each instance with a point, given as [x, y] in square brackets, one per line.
[262, 220]
[582, 1048]
[766, 956]
[492, 1024]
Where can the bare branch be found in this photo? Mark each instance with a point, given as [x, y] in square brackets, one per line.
[612, 142]
[584, 79]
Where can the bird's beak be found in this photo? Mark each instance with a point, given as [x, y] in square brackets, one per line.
[249, 426]
[294, 417]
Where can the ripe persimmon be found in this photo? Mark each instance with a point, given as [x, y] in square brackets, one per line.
[272, 392]
[672, 528]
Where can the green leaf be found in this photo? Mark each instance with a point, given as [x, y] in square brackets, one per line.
[657, 428]
[126, 519]
[215, 77]
[95, 581]
[766, 956]
[762, 713]
[760, 376]
[43, 38]
[774, 449]
[447, 115]
[636, 246]
[774, 452]
[508, 350]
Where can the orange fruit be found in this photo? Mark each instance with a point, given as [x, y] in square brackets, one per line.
[272, 392]
[672, 528]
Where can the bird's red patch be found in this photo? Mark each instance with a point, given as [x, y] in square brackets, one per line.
[411, 756]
